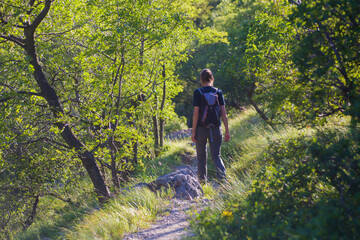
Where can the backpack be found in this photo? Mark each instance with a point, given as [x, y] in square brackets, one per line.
[210, 109]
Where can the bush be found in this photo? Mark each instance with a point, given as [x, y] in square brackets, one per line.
[176, 124]
[307, 189]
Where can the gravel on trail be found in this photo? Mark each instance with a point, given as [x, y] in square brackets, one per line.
[174, 224]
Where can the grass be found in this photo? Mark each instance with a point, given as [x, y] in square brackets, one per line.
[55, 215]
[128, 212]
[272, 174]
[125, 213]
[170, 158]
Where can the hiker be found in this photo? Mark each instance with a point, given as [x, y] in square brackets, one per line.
[209, 106]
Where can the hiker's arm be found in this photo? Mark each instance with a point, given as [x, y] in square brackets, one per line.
[194, 124]
[225, 121]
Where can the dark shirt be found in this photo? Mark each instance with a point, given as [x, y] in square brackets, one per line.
[197, 98]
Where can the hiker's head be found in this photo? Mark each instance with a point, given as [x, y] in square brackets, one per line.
[206, 77]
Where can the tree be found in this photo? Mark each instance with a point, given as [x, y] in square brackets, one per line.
[19, 24]
[327, 56]
[78, 82]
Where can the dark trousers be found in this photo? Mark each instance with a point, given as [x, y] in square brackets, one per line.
[214, 135]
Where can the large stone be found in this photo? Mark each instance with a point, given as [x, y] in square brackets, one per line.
[184, 181]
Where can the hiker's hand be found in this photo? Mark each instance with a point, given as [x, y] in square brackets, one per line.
[227, 136]
[193, 137]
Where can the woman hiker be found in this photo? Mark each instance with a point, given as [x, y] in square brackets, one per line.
[207, 125]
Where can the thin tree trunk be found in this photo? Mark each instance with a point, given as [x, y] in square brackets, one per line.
[258, 110]
[114, 172]
[156, 128]
[162, 119]
[30, 219]
[136, 143]
[112, 145]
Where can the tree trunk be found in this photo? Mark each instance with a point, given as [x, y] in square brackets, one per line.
[31, 218]
[162, 119]
[258, 110]
[156, 128]
[50, 95]
[135, 149]
[136, 143]
[156, 135]
[114, 172]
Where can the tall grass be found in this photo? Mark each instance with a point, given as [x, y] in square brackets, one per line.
[127, 213]
[135, 209]
[280, 180]
[53, 214]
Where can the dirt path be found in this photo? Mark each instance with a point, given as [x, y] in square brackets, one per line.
[173, 225]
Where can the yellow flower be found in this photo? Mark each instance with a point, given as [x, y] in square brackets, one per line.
[226, 214]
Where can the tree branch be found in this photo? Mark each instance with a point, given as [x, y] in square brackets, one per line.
[57, 34]
[20, 92]
[30, 93]
[5, 99]
[41, 16]
[57, 143]
[296, 2]
[258, 110]
[62, 199]
[16, 40]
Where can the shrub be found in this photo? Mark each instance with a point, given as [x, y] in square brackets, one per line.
[307, 189]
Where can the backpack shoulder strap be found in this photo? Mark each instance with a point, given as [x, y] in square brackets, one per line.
[200, 91]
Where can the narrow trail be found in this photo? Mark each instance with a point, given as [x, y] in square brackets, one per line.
[174, 223]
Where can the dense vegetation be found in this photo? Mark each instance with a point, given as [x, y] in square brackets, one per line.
[290, 184]
[88, 90]
[297, 64]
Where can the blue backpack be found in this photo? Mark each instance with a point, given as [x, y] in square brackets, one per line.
[210, 111]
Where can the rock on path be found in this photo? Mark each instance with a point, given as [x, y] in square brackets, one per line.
[183, 180]
[174, 224]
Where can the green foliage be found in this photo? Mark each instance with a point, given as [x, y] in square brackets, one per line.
[327, 56]
[56, 215]
[297, 62]
[306, 188]
[108, 63]
[34, 163]
[177, 124]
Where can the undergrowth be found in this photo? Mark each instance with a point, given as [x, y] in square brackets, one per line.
[134, 210]
[170, 158]
[123, 214]
[290, 184]
[84, 218]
